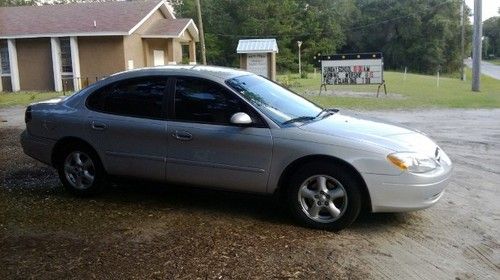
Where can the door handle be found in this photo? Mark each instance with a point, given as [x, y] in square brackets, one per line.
[98, 125]
[182, 135]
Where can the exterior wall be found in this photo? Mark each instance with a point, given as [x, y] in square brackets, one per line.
[177, 51]
[135, 48]
[35, 64]
[155, 44]
[100, 57]
[185, 38]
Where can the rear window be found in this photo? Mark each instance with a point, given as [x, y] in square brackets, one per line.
[138, 97]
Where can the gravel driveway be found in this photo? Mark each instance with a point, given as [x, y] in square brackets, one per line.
[142, 231]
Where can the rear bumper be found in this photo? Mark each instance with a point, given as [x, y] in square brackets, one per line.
[37, 147]
[406, 192]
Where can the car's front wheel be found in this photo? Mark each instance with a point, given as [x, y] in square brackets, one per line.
[80, 170]
[324, 195]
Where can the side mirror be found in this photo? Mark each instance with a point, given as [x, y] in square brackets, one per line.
[241, 119]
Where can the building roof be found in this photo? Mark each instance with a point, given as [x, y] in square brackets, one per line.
[257, 46]
[171, 28]
[78, 19]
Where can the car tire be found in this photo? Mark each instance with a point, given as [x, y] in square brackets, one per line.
[324, 195]
[80, 170]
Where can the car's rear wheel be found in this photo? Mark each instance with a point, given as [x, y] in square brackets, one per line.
[80, 170]
[324, 195]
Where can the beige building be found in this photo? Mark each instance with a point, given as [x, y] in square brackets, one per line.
[63, 47]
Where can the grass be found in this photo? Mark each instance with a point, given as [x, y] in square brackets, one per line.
[24, 98]
[495, 61]
[417, 91]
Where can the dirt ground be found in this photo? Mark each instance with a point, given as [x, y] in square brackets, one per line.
[149, 231]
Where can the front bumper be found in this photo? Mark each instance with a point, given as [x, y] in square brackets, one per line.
[406, 192]
[37, 147]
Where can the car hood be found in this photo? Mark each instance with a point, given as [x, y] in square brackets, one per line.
[375, 132]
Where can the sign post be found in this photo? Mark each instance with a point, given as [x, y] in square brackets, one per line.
[299, 43]
[352, 69]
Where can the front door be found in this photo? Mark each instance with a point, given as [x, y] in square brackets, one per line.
[158, 57]
[204, 148]
[127, 127]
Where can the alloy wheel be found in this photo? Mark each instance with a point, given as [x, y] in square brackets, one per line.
[322, 198]
[79, 170]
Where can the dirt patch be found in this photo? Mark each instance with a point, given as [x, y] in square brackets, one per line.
[139, 230]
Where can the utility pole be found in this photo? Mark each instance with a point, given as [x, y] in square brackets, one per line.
[299, 43]
[462, 23]
[202, 34]
[476, 46]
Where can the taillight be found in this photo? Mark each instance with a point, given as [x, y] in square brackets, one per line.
[27, 114]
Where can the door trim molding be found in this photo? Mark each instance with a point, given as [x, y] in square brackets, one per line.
[130, 155]
[215, 165]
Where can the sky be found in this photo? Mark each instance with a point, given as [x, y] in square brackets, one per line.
[490, 8]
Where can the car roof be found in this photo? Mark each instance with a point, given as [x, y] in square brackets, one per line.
[222, 73]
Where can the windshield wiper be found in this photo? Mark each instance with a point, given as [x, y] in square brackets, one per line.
[300, 119]
[330, 111]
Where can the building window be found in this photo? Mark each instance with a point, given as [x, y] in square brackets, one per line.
[4, 58]
[66, 64]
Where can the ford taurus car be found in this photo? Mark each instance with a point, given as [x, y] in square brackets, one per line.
[230, 129]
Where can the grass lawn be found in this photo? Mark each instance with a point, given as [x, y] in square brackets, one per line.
[24, 98]
[495, 61]
[417, 91]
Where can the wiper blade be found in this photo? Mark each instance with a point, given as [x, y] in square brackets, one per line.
[299, 119]
[330, 111]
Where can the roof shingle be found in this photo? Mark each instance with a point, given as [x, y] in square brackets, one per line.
[257, 46]
[167, 27]
[109, 17]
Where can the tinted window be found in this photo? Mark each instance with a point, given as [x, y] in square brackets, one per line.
[198, 100]
[139, 97]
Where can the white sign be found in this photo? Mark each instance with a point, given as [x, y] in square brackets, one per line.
[352, 71]
[257, 64]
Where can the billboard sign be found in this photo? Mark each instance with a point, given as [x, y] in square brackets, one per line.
[352, 69]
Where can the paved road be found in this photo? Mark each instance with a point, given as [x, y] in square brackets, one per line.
[487, 68]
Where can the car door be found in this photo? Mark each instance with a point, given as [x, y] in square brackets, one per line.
[127, 126]
[204, 148]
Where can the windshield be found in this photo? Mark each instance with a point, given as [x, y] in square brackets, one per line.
[276, 102]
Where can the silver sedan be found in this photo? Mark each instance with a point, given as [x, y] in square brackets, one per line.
[230, 129]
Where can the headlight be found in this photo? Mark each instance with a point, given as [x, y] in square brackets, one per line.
[413, 162]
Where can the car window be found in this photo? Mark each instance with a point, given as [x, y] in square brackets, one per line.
[275, 101]
[138, 97]
[199, 100]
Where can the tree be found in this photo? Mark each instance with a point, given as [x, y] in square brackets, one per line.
[9, 3]
[491, 30]
[423, 35]
[316, 22]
